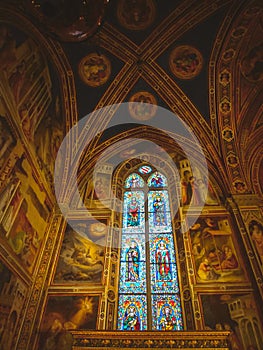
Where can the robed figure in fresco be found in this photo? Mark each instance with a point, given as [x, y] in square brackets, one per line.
[163, 266]
[131, 320]
[228, 258]
[167, 320]
[132, 262]
[159, 211]
[133, 212]
[256, 232]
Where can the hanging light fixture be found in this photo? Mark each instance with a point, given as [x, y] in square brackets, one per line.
[69, 20]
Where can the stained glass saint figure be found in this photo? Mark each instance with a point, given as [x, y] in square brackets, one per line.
[133, 212]
[163, 266]
[134, 181]
[159, 211]
[131, 320]
[167, 319]
[156, 180]
[132, 262]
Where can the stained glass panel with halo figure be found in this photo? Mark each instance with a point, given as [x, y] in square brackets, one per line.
[157, 180]
[132, 312]
[134, 181]
[159, 212]
[128, 240]
[135, 282]
[133, 212]
[133, 265]
[164, 277]
[166, 312]
[163, 242]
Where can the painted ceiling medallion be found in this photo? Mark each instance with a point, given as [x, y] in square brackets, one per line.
[146, 105]
[68, 20]
[136, 14]
[94, 69]
[185, 62]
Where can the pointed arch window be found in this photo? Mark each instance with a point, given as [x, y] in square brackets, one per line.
[149, 297]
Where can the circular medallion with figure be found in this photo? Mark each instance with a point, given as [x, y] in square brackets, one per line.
[136, 15]
[142, 105]
[94, 69]
[185, 62]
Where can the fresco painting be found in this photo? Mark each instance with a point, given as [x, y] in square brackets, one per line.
[7, 141]
[236, 313]
[95, 69]
[27, 82]
[81, 259]
[213, 251]
[196, 190]
[251, 65]
[146, 105]
[47, 140]
[23, 213]
[256, 235]
[185, 62]
[65, 313]
[97, 191]
[136, 15]
[12, 298]
[101, 187]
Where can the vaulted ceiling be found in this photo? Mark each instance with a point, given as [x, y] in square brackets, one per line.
[217, 92]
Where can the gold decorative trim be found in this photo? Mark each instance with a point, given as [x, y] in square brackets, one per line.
[150, 340]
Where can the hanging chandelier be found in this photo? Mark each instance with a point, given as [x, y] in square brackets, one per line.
[68, 20]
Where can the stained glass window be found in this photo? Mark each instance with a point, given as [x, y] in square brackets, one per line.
[159, 212]
[132, 312]
[157, 180]
[166, 312]
[149, 295]
[134, 181]
[134, 218]
[145, 169]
